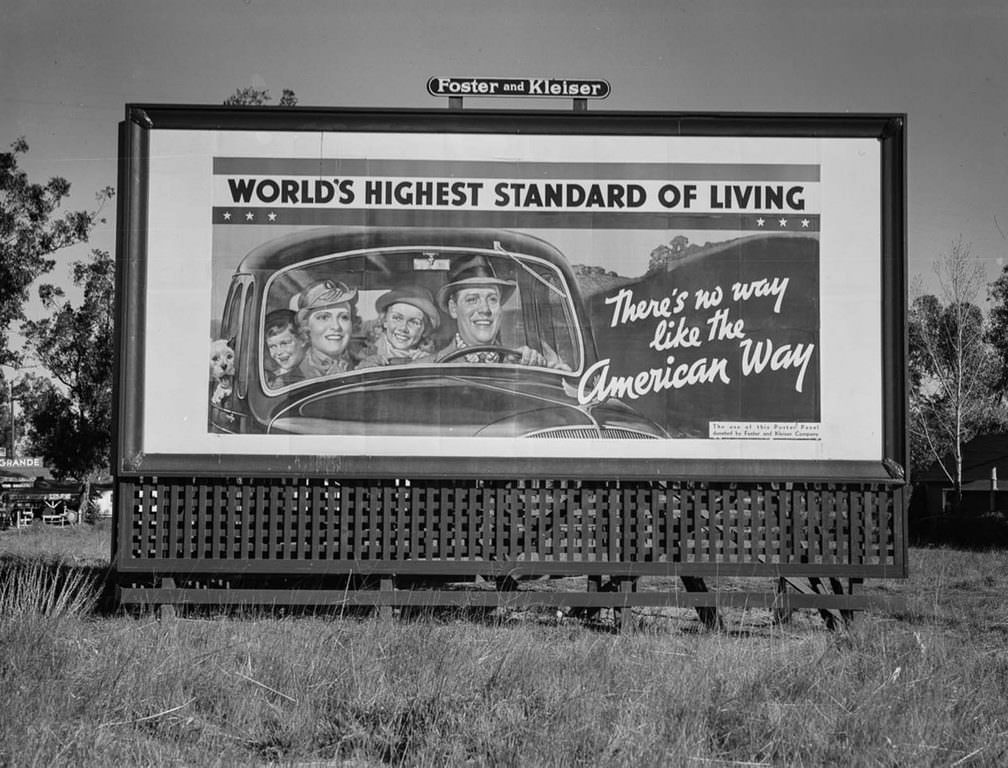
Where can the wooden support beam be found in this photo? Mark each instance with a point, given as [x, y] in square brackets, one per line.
[386, 586]
[589, 613]
[708, 615]
[782, 607]
[832, 618]
[166, 611]
[154, 596]
[624, 614]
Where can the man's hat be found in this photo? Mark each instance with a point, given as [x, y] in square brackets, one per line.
[415, 296]
[324, 294]
[474, 273]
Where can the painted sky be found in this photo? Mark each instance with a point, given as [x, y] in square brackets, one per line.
[70, 67]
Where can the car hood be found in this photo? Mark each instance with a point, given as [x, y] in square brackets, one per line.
[454, 402]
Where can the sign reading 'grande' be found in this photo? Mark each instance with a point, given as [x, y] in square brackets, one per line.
[518, 86]
[20, 461]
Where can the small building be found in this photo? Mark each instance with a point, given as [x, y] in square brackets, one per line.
[985, 460]
[22, 471]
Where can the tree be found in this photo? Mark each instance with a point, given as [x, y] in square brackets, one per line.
[952, 367]
[31, 395]
[257, 97]
[71, 425]
[997, 329]
[30, 232]
[664, 257]
[13, 394]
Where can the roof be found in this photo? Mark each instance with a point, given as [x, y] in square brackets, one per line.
[299, 246]
[980, 455]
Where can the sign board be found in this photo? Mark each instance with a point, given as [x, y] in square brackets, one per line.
[423, 293]
[577, 88]
[20, 462]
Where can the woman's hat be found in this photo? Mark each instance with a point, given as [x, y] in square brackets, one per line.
[473, 273]
[324, 294]
[415, 296]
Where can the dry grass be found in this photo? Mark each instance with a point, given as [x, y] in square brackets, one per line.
[923, 688]
[32, 588]
[81, 544]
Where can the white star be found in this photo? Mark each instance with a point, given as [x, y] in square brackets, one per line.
[760, 221]
[782, 222]
[805, 223]
[249, 216]
[271, 216]
[227, 215]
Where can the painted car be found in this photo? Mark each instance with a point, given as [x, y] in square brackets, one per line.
[441, 394]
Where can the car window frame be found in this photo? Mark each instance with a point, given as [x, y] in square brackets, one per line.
[577, 331]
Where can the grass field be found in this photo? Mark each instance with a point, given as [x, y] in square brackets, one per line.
[81, 686]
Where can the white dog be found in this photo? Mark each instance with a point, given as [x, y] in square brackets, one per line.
[221, 371]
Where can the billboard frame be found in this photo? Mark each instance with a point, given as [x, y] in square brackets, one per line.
[132, 461]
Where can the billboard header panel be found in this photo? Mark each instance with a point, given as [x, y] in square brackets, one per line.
[559, 296]
[578, 88]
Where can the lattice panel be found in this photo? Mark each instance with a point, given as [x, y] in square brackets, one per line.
[217, 521]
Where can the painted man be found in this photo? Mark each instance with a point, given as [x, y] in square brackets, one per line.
[474, 297]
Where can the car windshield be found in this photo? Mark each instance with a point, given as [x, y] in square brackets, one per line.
[361, 311]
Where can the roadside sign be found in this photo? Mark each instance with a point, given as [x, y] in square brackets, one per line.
[563, 87]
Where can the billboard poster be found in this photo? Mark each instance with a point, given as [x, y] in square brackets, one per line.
[374, 293]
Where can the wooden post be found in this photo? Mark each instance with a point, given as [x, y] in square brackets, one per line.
[626, 586]
[708, 614]
[846, 614]
[992, 507]
[782, 608]
[166, 611]
[832, 619]
[387, 587]
[590, 613]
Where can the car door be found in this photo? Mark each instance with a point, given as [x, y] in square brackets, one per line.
[230, 414]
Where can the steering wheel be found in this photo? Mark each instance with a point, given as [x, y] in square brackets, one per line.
[478, 348]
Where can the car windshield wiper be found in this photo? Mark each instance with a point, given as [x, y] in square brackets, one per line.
[498, 248]
[378, 259]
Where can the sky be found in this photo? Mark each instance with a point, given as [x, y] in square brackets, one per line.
[69, 69]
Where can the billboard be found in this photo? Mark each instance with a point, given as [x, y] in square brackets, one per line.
[460, 295]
